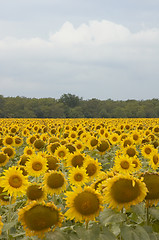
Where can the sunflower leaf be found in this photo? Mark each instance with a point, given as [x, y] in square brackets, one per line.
[154, 213]
[129, 233]
[107, 235]
[110, 216]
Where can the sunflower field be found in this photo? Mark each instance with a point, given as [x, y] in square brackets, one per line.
[79, 179]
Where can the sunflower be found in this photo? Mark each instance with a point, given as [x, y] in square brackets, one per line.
[38, 144]
[122, 191]
[8, 140]
[147, 150]
[36, 165]
[154, 159]
[79, 145]
[136, 137]
[92, 142]
[136, 163]
[52, 147]
[61, 152]
[76, 159]
[130, 151]
[84, 204]
[35, 192]
[123, 164]
[39, 218]
[102, 176]
[14, 182]
[71, 148]
[30, 140]
[29, 151]
[18, 141]
[54, 182]
[52, 162]
[10, 151]
[78, 176]
[5, 197]
[114, 138]
[3, 159]
[92, 167]
[152, 181]
[103, 146]
[23, 159]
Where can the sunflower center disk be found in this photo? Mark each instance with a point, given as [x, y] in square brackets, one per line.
[152, 182]
[131, 152]
[155, 159]
[125, 164]
[37, 166]
[78, 177]
[34, 192]
[15, 181]
[86, 203]
[41, 217]
[123, 191]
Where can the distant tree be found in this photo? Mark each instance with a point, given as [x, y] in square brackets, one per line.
[70, 100]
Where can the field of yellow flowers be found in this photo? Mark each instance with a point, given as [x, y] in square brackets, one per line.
[79, 179]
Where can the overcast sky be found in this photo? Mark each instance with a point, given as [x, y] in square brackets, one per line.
[91, 48]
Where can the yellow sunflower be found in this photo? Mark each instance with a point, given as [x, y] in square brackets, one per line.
[61, 152]
[137, 165]
[29, 151]
[30, 140]
[14, 182]
[92, 166]
[92, 142]
[154, 159]
[114, 138]
[8, 140]
[18, 141]
[76, 159]
[78, 176]
[123, 164]
[147, 150]
[103, 146]
[84, 204]
[38, 144]
[54, 182]
[23, 159]
[52, 147]
[10, 151]
[36, 165]
[39, 218]
[122, 191]
[131, 151]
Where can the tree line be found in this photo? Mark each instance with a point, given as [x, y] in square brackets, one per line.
[72, 106]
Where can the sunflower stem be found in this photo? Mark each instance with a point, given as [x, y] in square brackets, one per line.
[9, 216]
[147, 215]
[87, 225]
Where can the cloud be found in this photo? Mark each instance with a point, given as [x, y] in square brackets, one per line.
[100, 53]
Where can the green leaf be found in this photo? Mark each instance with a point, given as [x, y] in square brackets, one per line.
[110, 216]
[128, 233]
[141, 232]
[107, 235]
[154, 212]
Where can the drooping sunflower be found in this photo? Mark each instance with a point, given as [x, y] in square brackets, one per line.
[39, 218]
[92, 142]
[52, 147]
[84, 204]
[78, 176]
[14, 182]
[35, 192]
[103, 146]
[123, 164]
[30, 140]
[137, 164]
[38, 144]
[3, 159]
[54, 182]
[10, 151]
[152, 181]
[52, 162]
[36, 165]
[23, 159]
[92, 166]
[18, 141]
[122, 191]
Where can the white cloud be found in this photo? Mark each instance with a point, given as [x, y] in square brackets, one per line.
[100, 53]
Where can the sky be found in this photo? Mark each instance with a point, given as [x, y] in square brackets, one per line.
[93, 49]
